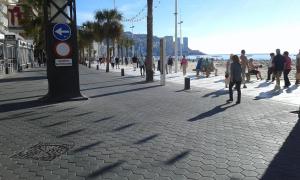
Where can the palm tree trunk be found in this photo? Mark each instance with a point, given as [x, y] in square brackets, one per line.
[107, 55]
[149, 71]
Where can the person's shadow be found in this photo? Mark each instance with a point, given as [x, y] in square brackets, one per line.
[268, 95]
[214, 111]
[291, 89]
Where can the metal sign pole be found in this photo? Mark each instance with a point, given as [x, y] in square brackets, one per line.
[61, 50]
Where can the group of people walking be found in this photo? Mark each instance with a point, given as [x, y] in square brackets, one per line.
[279, 64]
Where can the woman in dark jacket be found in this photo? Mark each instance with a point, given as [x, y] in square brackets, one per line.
[235, 78]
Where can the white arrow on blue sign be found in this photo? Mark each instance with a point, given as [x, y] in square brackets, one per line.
[62, 32]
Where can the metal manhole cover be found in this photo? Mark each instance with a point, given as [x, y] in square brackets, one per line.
[44, 151]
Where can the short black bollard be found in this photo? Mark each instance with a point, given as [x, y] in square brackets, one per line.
[97, 67]
[6, 70]
[187, 84]
[122, 72]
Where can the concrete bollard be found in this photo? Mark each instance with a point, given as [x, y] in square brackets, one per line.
[122, 72]
[187, 84]
[97, 66]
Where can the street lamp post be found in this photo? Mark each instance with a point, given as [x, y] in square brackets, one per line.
[132, 48]
[176, 48]
[180, 38]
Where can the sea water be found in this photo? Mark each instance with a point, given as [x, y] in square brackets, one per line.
[258, 57]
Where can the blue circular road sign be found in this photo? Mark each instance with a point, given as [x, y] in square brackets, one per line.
[62, 32]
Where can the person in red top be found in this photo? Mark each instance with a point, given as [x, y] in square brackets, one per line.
[184, 64]
[287, 69]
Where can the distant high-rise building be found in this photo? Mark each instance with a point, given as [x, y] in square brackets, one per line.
[185, 48]
[169, 45]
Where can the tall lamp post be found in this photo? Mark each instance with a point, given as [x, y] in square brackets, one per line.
[180, 38]
[132, 48]
[176, 46]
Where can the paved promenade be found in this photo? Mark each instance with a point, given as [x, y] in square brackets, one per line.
[131, 130]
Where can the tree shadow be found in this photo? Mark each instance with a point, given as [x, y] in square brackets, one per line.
[291, 89]
[38, 118]
[83, 114]
[216, 94]
[286, 163]
[264, 84]
[55, 124]
[124, 127]
[125, 91]
[177, 157]
[70, 133]
[64, 110]
[104, 170]
[29, 97]
[86, 147]
[268, 95]
[146, 139]
[34, 78]
[103, 119]
[214, 111]
[21, 115]
[21, 105]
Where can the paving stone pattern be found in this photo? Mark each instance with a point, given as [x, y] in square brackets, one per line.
[131, 130]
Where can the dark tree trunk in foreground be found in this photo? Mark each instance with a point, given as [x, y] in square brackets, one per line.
[149, 70]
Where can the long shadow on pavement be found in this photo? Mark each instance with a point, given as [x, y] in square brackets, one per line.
[28, 97]
[146, 139]
[125, 91]
[214, 111]
[217, 93]
[70, 133]
[177, 157]
[124, 127]
[21, 105]
[34, 78]
[291, 89]
[116, 85]
[268, 95]
[104, 170]
[86, 147]
[264, 84]
[55, 124]
[103, 119]
[286, 163]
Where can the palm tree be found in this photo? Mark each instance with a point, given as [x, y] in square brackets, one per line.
[86, 37]
[110, 20]
[149, 71]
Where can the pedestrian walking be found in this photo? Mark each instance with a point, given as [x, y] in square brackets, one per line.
[244, 65]
[235, 79]
[142, 66]
[117, 61]
[184, 64]
[287, 69]
[278, 68]
[227, 72]
[298, 69]
[170, 64]
[271, 68]
[126, 61]
[112, 62]
[134, 62]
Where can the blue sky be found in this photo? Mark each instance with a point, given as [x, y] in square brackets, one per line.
[215, 26]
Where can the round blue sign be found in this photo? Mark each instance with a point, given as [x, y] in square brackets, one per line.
[62, 32]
